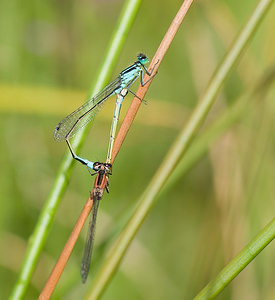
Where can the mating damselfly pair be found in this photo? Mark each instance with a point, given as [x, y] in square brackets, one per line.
[74, 122]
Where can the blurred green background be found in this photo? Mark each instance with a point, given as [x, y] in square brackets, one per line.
[49, 55]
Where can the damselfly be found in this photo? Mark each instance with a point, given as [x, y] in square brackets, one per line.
[69, 126]
[103, 170]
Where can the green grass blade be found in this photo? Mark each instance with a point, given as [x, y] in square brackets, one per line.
[39, 235]
[201, 145]
[178, 148]
[238, 263]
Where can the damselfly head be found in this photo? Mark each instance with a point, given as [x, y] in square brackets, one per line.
[142, 58]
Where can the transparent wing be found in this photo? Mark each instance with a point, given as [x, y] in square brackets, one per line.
[86, 260]
[85, 113]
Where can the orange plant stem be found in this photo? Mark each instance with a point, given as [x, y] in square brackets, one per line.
[68, 248]
[65, 254]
